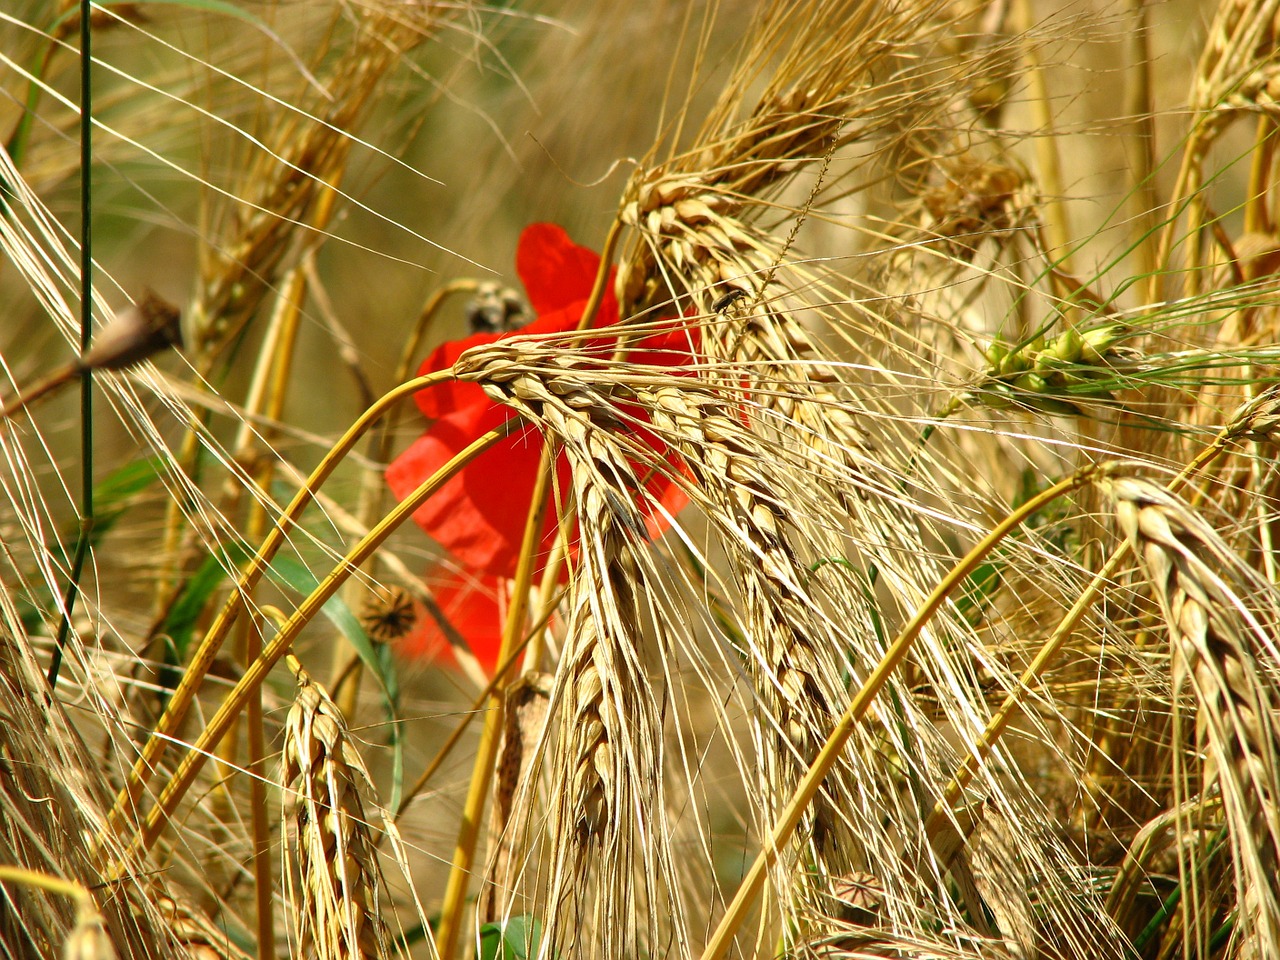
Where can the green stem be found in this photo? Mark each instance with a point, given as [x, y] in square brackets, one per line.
[86, 335]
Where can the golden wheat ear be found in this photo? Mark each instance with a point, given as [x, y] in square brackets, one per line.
[1222, 624]
[331, 863]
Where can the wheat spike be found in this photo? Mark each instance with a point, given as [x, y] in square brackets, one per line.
[331, 862]
[524, 719]
[1224, 654]
[1236, 69]
[729, 466]
[607, 759]
[286, 204]
[702, 248]
[801, 627]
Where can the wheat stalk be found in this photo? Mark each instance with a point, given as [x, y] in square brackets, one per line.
[606, 758]
[793, 646]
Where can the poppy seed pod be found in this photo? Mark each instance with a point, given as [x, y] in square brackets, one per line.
[134, 334]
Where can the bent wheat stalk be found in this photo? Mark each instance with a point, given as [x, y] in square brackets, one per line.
[722, 939]
[144, 768]
[184, 776]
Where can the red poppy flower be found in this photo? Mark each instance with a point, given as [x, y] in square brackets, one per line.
[479, 515]
[473, 605]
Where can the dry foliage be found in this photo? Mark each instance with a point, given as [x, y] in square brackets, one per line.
[966, 637]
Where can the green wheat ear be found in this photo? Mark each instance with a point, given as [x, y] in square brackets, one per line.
[1054, 376]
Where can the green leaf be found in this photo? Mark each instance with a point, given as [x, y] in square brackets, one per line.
[518, 939]
[294, 575]
[125, 482]
[112, 493]
[181, 621]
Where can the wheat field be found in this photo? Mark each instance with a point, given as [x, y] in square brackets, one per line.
[694, 480]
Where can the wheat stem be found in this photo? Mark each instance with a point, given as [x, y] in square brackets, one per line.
[1049, 651]
[203, 658]
[791, 816]
[1139, 141]
[289, 311]
[1257, 216]
[455, 895]
[1056, 223]
[280, 644]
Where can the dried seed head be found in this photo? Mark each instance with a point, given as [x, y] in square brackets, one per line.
[137, 332]
[495, 309]
[861, 897]
[389, 613]
[975, 200]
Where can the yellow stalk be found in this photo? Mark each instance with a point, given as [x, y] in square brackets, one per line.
[1057, 225]
[43, 881]
[1257, 217]
[146, 764]
[999, 722]
[289, 312]
[1140, 139]
[184, 776]
[455, 894]
[808, 787]
[455, 897]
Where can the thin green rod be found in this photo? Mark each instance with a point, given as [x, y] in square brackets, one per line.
[86, 334]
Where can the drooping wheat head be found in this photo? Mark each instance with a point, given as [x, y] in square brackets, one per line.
[1221, 623]
[331, 863]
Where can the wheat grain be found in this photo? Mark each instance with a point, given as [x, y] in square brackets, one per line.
[525, 718]
[331, 865]
[1224, 654]
[607, 760]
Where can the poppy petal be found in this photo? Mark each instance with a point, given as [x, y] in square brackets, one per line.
[555, 271]
[471, 605]
[479, 514]
[444, 398]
